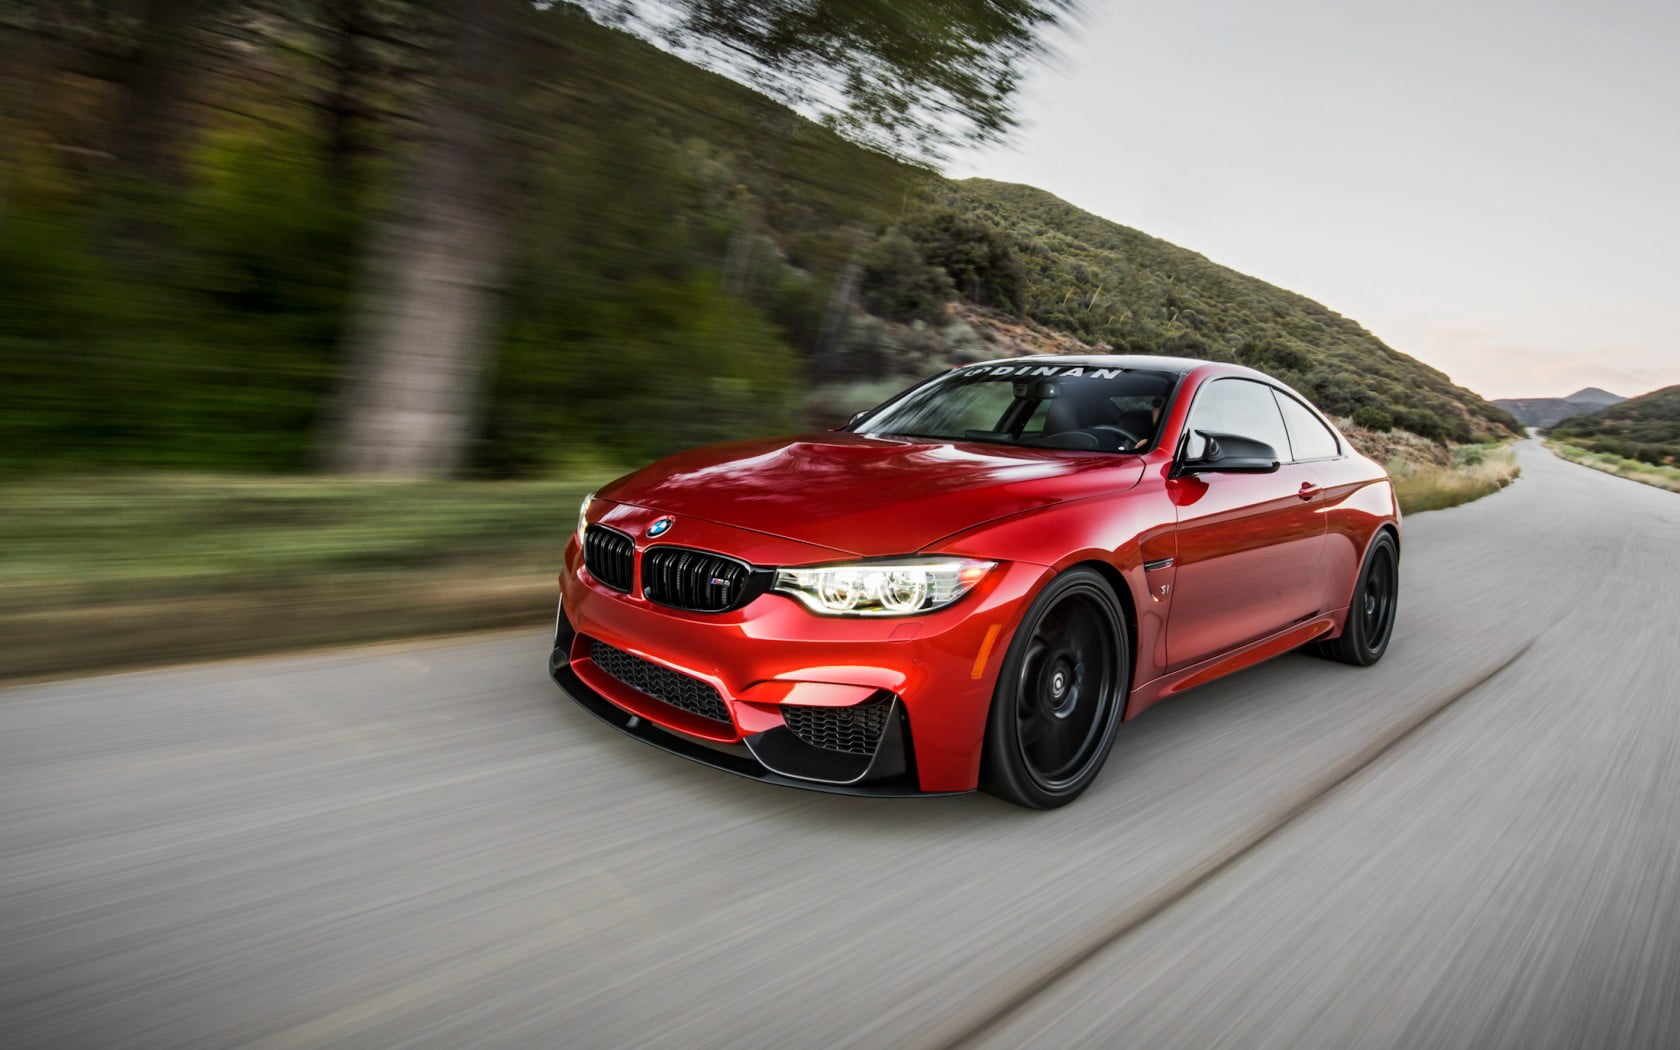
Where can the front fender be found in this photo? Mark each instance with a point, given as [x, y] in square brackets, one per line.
[1121, 532]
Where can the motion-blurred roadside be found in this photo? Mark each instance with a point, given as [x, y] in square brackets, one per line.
[250, 248]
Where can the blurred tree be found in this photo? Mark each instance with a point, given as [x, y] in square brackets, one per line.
[910, 77]
[351, 26]
[152, 74]
[146, 52]
[422, 335]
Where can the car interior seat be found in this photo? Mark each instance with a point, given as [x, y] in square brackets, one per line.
[1088, 412]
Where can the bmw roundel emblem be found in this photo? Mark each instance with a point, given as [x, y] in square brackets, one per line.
[660, 527]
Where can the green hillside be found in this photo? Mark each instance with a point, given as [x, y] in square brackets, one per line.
[1112, 285]
[1645, 428]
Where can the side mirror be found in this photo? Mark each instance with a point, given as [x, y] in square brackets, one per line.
[1232, 454]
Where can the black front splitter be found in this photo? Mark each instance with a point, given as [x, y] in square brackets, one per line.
[741, 766]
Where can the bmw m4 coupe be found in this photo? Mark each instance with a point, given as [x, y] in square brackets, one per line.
[975, 583]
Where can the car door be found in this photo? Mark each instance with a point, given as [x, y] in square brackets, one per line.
[1250, 545]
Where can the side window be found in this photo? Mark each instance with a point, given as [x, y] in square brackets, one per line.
[1308, 436]
[1240, 407]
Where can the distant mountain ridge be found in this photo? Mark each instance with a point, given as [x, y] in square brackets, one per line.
[1550, 411]
[1595, 393]
[1646, 427]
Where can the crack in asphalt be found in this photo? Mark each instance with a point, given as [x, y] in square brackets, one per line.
[1221, 860]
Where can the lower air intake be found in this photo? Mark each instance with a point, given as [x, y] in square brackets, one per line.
[849, 730]
[661, 683]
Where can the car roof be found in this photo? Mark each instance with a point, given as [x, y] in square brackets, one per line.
[1149, 362]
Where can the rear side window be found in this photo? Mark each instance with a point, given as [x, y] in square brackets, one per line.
[1308, 436]
[1240, 407]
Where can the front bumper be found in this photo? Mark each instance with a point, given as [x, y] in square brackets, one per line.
[773, 657]
[742, 764]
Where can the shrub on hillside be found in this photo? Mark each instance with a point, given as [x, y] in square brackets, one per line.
[1373, 418]
[980, 259]
[897, 283]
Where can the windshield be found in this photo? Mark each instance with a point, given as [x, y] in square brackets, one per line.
[1049, 406]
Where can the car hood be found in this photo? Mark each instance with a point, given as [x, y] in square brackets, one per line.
[867, 496]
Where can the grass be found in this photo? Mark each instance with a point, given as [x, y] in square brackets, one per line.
[1474, 471]
[146, 569]
[1661, 476]
[68, 541]
[105, 571]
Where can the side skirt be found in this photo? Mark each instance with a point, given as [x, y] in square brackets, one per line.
[1172, 683]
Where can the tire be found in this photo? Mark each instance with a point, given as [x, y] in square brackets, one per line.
[1060, 694]
[1370, 620]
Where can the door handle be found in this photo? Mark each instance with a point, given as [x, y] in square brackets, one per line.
[1308, 490]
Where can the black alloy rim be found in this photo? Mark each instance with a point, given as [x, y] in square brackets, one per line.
[1376, 611]
[1065, 690]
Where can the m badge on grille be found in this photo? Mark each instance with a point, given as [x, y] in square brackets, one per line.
[660, 527]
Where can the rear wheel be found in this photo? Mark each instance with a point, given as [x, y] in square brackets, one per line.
[1059, 695]
[1370, 620]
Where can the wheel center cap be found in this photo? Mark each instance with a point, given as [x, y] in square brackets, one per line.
[1061, 685]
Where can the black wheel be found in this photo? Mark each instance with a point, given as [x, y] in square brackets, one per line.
[1370, 621]
[1060, 694]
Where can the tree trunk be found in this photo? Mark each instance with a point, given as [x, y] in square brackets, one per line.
[419, 345]
[152, 81]
[343, 109]
[826, 360]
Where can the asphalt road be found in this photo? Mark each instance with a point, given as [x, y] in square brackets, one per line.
[1475, 843]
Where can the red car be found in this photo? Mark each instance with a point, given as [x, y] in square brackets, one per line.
[975, 583]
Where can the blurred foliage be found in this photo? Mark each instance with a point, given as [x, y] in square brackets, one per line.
[218, 359]
[674, 262]
[1658, 475]
[907, 76]
[113, 538]
[181, 253]
[1645, 428]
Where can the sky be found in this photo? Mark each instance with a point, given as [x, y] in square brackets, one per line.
[1490, 187]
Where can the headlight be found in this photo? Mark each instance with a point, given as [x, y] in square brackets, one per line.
[882, 588]
[583, 516]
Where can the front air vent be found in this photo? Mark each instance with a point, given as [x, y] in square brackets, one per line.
[660, 682]
[610, 556]
[696, 580]
[849, 730]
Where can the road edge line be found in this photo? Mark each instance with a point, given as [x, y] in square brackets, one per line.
[1216, 863]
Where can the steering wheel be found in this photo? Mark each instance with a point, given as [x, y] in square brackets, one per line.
[1130, 440]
